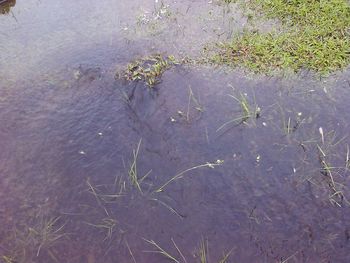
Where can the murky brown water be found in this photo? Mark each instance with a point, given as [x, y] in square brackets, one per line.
[68, 132]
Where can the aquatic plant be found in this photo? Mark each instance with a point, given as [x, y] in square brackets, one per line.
[288, 125]
[181, 174]
[314, 35]
[130, 252]
[95, 193]
[8, 259]
[161, 251]
[248, 110]
[149, 69]
[108, 224]
[332, 174]
[192, 99]
[225, 257]
[194, 106]
[47, 233]
[43, 235]
[229, 1]
[168, 207]
[202, 252]
[133, 173]
[5, 6]
[337, 196]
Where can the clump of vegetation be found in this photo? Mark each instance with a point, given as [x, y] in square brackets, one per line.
[28, 243]
[225, 1]
[315, 35]
[149, 69]
[248, 110]
[5, 6]
[332, 175]
[202, 253]
[133, 172]
[107, 224]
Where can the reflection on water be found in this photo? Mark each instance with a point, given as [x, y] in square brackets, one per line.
[93, 169]
[5, 6]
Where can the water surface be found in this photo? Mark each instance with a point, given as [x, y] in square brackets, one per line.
[68, 131]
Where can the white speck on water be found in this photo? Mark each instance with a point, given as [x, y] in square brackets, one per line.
[82, 152]
[180, 113]
[258, 158]
[321, 133]
[210, 165]
[77, 74]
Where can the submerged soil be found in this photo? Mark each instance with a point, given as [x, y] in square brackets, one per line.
[69, 134]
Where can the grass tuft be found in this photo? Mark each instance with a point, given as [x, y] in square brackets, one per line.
[248, 110]
[161, 251]
[107, 224]
[203, 251]
[133, 172]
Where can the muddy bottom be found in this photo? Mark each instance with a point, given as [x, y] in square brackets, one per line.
[210, 165]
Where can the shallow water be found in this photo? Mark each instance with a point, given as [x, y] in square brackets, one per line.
[68, 131]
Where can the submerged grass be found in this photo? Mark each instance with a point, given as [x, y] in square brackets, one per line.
[133, 173]
[291, 124]
[225, 257]
[248, 110]
[195, 101]
[49, 233]
[108, 225]
[202, 253]
[30, 242]
[161, 251]
[181, 174]
[333, 175]
[168, 207]
[315, 35]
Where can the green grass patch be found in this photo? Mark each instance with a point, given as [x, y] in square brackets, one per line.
[315, 34]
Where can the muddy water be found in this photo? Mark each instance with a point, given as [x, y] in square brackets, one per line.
[68, 131]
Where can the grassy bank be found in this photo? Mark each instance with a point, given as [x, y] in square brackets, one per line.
[314, 35]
